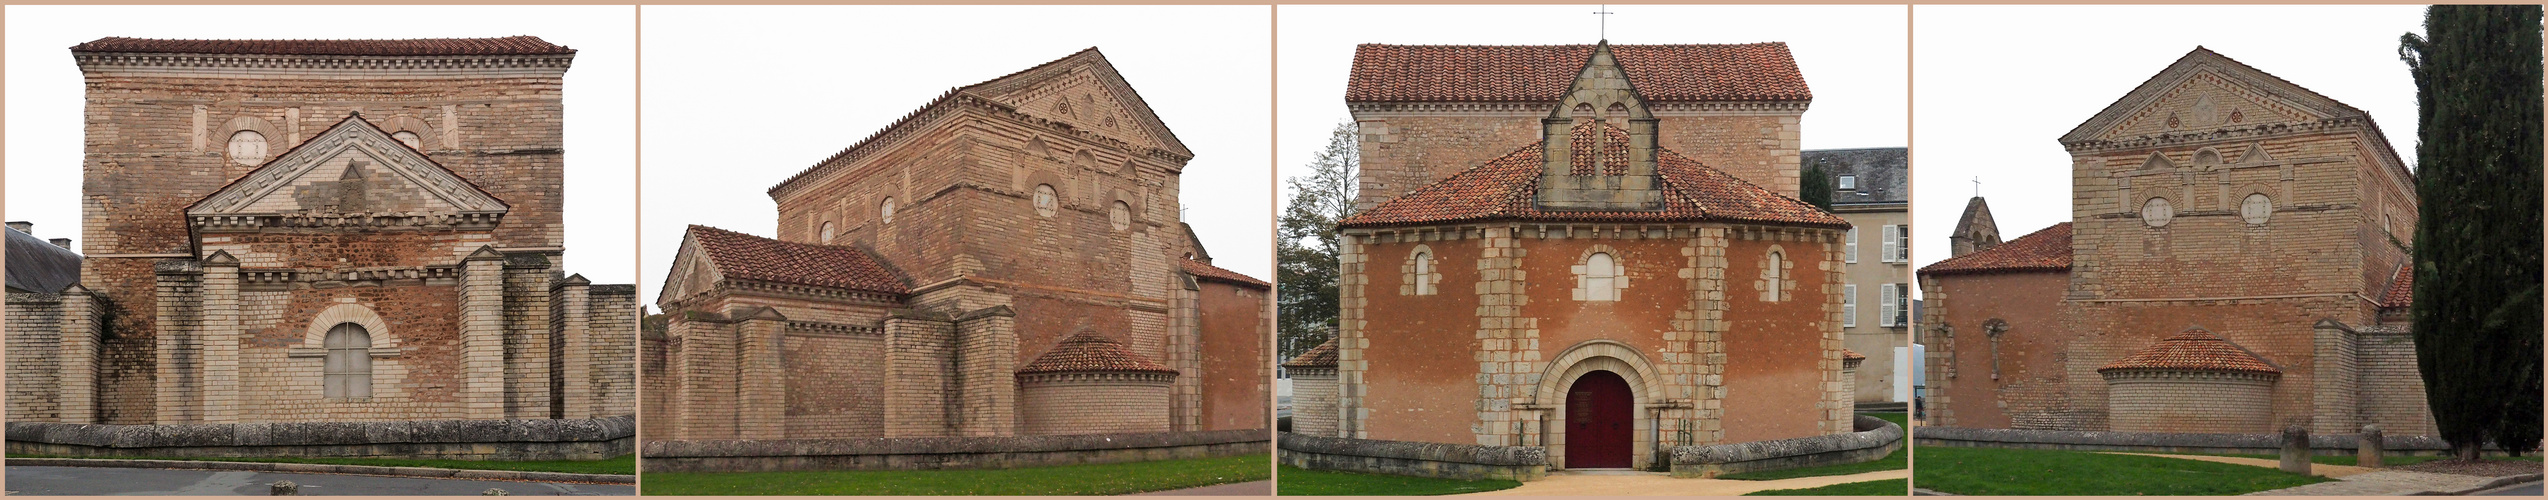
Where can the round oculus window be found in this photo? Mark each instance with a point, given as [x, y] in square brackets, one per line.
[1046, 202]
[2156, 212]
[2256, 208]
[886, 211]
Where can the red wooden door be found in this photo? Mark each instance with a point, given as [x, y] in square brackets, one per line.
[1599, 426]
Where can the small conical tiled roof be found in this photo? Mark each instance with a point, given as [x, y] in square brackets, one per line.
[2194, 349]
[1088, 352]
[1323, 356]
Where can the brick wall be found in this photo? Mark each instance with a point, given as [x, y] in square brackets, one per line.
[2392, 390]
[2189, 402]
[1093, 403]
[2021, 381]
[1314, 401]
[1233, 373]
[35, 357]
[1403, 151]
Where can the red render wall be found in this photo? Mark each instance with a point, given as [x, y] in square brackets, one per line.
[2032, 354]
[1234, 356]
[1774, 350]
[1639, 318]
[1422, 382]
[1403, 152]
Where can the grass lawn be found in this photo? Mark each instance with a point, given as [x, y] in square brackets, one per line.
[1898, 460]
[2386, 461]
[1887, 488]
[623, 464]
[1101, 479]
[1994, 471]
[1299, 481]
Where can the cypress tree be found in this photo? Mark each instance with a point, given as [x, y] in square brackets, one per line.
[2476, 248]
[1815, 188]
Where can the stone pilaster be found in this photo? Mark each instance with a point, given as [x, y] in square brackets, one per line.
[571, 349]
[482, 332]
[2333, 406]
[220, 337]
[526, 337]
[761, 369]
[1351, 286]
[1508, 344]
[986, 372]
[178, 343]
[79, 356]
[1185, 404]
[704, 395]
[1704, 321]
[918, 358]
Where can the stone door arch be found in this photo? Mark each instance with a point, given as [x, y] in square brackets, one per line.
[1645, 389]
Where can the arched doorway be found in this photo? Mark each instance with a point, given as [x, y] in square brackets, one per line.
[1600, 422]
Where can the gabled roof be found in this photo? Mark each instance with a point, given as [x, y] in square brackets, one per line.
[2046, 249]
[1208, 272]
[35, 265]
[2194, 349]
[1323, 356]
[747, 257]
[2401, 292]
[2201, 61]
[351, 135]
[511, 45]
[1505, 189]
[1542, 73]
[1975, 211]
[991, 91]
[1088, 352]
[1883, 174]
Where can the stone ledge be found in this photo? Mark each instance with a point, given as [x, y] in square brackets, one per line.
[1410, 458]
[366, 470]
[602, 429]
[1874, 439]
[740, 455]
[2170, 442]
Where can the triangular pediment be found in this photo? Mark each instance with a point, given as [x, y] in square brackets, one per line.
[1084, 91]
[692, 271]
[2205, 91]
[351, 168]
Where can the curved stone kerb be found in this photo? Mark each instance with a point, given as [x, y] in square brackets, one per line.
[1874, 433]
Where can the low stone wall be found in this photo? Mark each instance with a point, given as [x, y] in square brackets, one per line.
[2169, 442]
[532, 439]
[1874, 439]
[1410, 458]
[744, 455]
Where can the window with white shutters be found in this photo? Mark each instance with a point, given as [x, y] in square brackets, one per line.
[1885, 295]
[1849, 247]
[1892, 242]
[1848, 306]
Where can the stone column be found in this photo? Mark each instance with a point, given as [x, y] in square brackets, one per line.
[79, 356]
[482, 334]
[526, 336]
[986, 372]
[179, 368]
[221, 335]
[761, 374]
[571, 345]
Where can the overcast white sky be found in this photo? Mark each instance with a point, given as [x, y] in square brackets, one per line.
[1853, 56]
[45, 98]
[739, 98]
[1997, 86]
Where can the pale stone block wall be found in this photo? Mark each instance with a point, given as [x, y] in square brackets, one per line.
[35, 357]
[2189, 401]
[1314, 401]
[1094, 403]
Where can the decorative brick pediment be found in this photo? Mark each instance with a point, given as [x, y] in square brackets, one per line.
[353, 174]
[2205, 91]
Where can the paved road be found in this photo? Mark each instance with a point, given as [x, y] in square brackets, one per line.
[1250, 488]
[2530, 489]
[35, 480]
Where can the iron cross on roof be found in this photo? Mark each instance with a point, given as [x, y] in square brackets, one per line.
[1605, 20]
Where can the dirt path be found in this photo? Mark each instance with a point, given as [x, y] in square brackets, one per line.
[2320, 470]
[1658, 484]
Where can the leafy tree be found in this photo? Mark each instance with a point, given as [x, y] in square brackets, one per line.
[1815, 188]
[1305, 249]
[2476, 247]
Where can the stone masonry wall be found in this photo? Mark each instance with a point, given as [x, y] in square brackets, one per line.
[35, 357]
[1314, 401]
[2195, 402]
[1405, 151]
[1092, 403]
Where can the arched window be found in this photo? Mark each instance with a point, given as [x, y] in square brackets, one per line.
[827, 232]
[247, 147]
[1424, 273]
[410, 139]
[349, 362]
[1601, 278]
[1121, 216]
[1775, 276]
[1046, 201]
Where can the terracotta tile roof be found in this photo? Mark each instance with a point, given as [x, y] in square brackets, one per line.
[1323, 356]
[507, 46]
[1204, 271]
[2401, 292]
[2046, 249]
[744, 256]
[1504, 189]
[2194, 349]
[1846, 355]
[1539, 73]
[1088, 352]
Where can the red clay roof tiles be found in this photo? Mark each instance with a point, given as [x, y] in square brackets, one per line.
[1204, 271]
[1323, 356]
[2193, 349]
[511, 45]
[1088, 352]
[744, 256]
[2401, 292]
[1846, 354]
[2046, 249]
[1539, 73]
[1505, 189]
